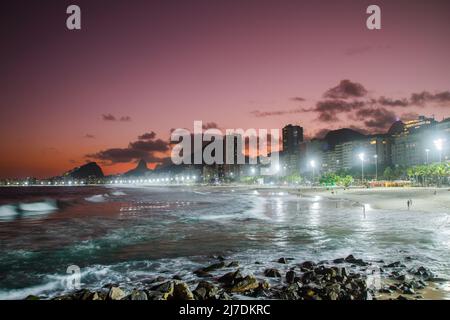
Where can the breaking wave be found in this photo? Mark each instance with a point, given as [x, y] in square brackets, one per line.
[98, 198]
[8, 211]
[118, 193]
[13, 211]
[47, 205]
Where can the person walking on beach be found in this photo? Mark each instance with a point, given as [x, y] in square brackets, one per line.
[408, 203]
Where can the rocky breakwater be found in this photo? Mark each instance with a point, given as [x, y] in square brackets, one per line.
[340, 279]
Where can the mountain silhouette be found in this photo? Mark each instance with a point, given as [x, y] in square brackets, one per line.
[339, 136]
[140, 170]
[89, 170]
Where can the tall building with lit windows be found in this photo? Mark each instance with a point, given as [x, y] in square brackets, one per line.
[292, 138]
[345, 156]
[414, 143]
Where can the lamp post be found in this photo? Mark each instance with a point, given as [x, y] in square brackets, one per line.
[427, 151]
[439, 144]
[361, 157]
[313, 166]
[376, 167]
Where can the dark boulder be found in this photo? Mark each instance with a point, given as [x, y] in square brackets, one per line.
[245, 284]
[308, 265]
[230, 278]
[282, 260]
[214, 266]
[290, 276]
[205, 291]
[272, 273]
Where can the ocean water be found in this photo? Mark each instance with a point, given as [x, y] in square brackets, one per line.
[129, 236]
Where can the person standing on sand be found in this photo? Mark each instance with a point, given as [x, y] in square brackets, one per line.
[408, 204]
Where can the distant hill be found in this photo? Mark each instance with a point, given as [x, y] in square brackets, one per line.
[89, 170]
[139, 171]
[396, 128]
[336, 137]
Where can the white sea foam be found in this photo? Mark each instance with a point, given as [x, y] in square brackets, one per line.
[42, 206]
[118, 193]
[8, 211]
[97, 198]
[16, 294]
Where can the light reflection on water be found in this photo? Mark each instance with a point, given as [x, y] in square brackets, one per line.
[133, 230]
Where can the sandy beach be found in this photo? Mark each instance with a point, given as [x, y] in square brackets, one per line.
[393, 198]
[423, 199]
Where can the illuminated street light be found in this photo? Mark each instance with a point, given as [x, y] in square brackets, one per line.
[361, 157]
[376, 166]
[312, 163]
[439, 143]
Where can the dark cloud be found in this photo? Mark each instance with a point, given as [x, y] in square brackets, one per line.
[125, 118]
[298, 99]
[147, 136]
[392, 102]
[337, 106]
[329, 109]
[346, 89]
[149, 145]
[136, 150]
[376, 118]
[111, 117]
[122, 155]
[263, 114]
[327, 117]
[338, 102]
[108, 117]
[442, 96]
[416, 99]
[375, 113]
[425, 97]
[89, 136]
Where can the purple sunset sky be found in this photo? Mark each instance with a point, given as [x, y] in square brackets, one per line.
[148, 66]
